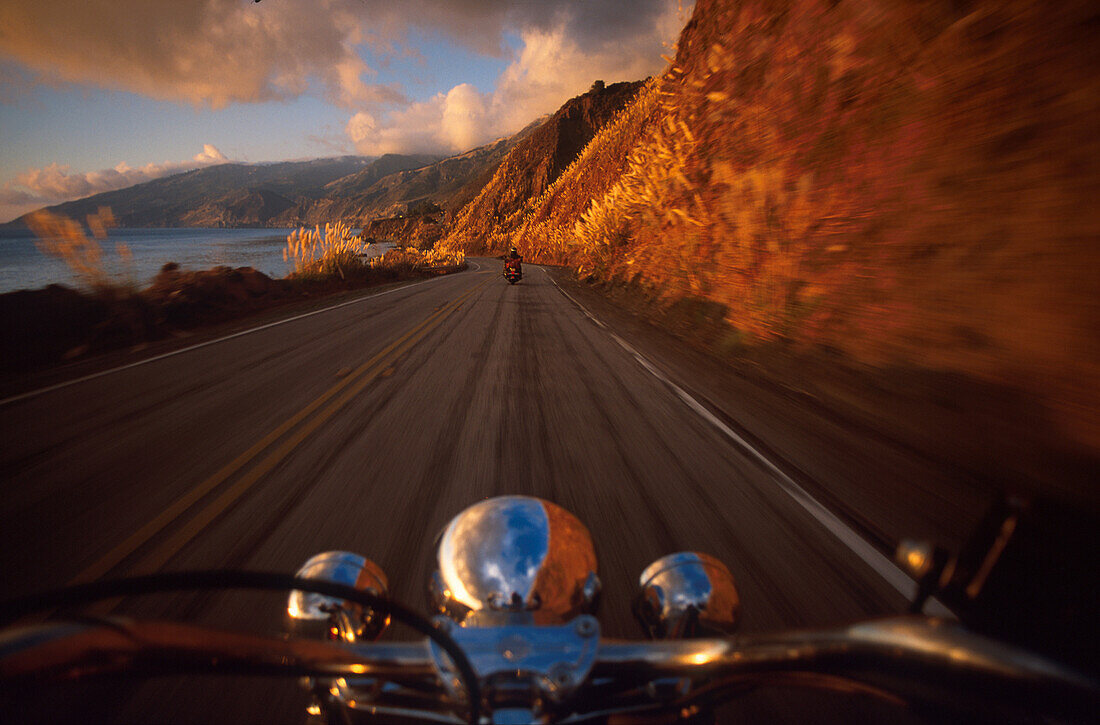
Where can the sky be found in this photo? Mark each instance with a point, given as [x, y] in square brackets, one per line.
[101, 94]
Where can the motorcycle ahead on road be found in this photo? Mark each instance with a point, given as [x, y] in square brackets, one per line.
[513, 272]
[514, 639]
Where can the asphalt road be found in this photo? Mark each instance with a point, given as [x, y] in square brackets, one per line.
[366, 428]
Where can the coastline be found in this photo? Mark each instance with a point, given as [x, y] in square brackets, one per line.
[23, 266]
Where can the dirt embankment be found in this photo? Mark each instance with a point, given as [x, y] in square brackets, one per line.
[911, 185]
[897, 185]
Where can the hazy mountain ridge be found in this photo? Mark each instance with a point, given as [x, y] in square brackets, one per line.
[386, 165]
[444, 182]
[213, 196]
[277, 195]
[351, 189]
[355, 189]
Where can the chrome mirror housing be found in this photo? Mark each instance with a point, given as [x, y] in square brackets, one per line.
[338, 618]
[688, 594]
[515, 558]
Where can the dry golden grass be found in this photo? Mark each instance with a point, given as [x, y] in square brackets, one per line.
[414, 260]
[65, 239]
[913, 185]
[315, 254]
[889, 182]
[334, 252]
[533, 225]
[546, 233]
[337, 252]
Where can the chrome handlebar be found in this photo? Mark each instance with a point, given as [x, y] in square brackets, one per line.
[912, 660]
[517, 582]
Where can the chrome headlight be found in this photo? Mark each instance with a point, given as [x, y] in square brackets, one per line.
[515, 554]
[339, 618]
[688, 594]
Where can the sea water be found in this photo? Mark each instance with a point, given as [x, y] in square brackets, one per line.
[24, 266]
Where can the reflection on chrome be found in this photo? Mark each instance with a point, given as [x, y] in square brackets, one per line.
[347, 621]
[915, 557]
[513, 555]
[688, 594]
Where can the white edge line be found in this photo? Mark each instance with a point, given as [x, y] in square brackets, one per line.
[871, 556]
[102, 373]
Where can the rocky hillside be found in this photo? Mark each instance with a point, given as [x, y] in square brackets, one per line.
[910, 186]
[536, 162]
[419, 230]
[239, 208]
[449, 182]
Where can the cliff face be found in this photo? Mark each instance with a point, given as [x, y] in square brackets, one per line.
[536, 162]
[912, 185]
[421, 230]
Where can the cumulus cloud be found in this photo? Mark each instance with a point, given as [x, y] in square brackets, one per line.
[56, 183]
[210, 155]
[454, 121]
[555, 62]
[207, 52]
[218, 52]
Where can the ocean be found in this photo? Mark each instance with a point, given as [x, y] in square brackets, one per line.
[23, 266]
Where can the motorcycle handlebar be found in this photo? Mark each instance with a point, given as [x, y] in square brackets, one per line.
[909, 659]
[937, 662]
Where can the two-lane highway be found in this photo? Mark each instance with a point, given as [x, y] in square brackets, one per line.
[366, 427]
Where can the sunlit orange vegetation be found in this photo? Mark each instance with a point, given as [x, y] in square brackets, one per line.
[64, 238]
[338, 252]
[413, 260]
[548, 231]
[911, 184]
[334, 252]
[545, 224]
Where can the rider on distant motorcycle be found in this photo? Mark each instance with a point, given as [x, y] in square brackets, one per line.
[513, 259]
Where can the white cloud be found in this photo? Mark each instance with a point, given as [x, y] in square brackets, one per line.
[210, 155]
[454, 121]
[218, 52]
[417, 128]
[463, 121]
[55, 183]
[554, 64]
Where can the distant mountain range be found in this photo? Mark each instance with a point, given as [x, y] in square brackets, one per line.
[353, 189]
[235, 195]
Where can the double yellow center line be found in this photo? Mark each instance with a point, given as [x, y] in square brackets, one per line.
[335, 397]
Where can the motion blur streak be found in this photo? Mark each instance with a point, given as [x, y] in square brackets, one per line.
[375, 366]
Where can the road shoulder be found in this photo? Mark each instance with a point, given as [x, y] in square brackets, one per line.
[895, 453]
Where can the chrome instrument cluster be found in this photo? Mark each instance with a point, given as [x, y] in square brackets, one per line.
[553, 660]
[516, 587]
